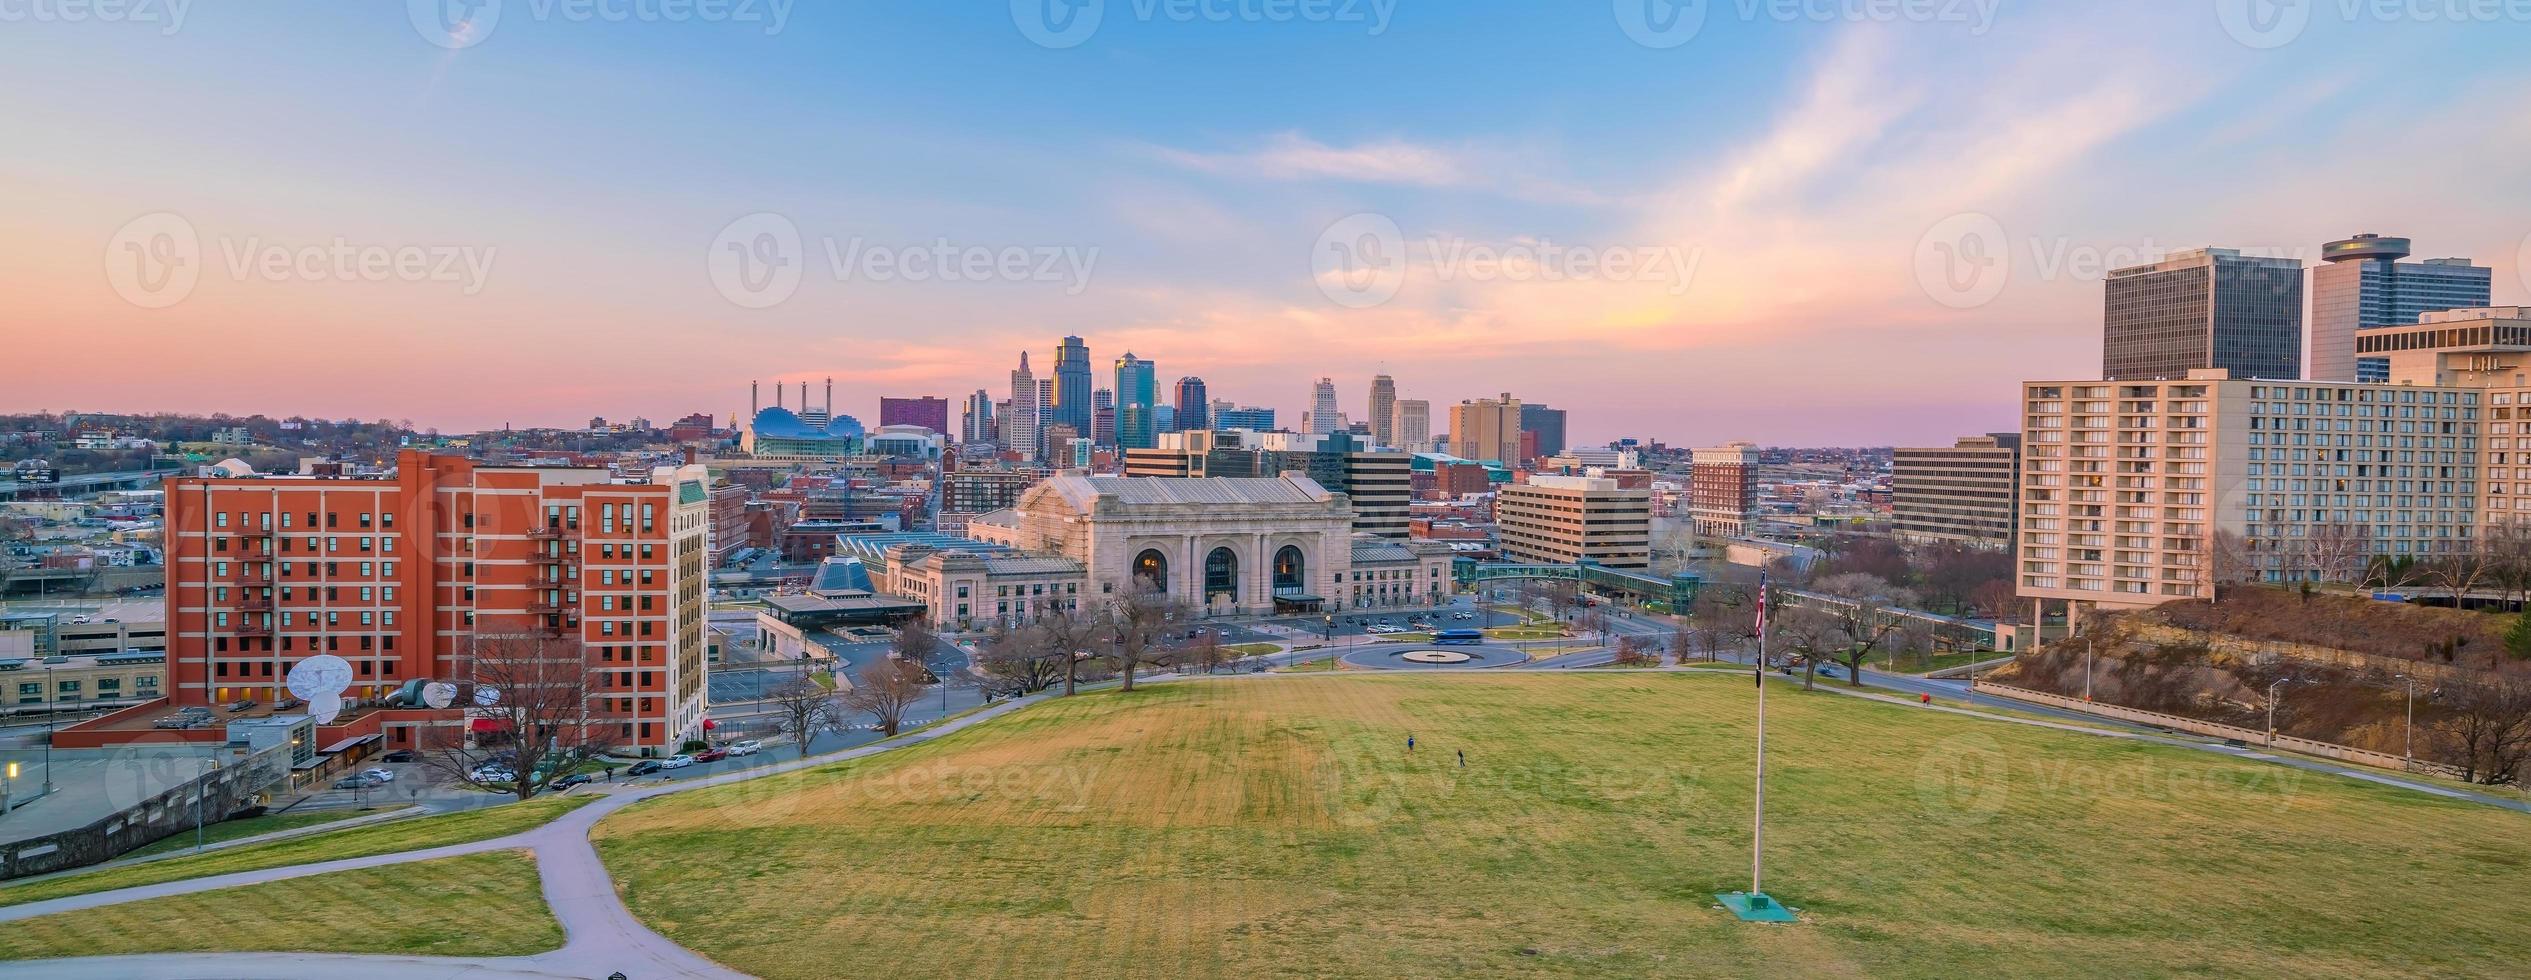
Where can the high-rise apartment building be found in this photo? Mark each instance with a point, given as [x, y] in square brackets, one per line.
[1412, 429]
[2206, 308]
[1322, 408]
[1567, 519]
[2361, 285]
[1137, 392]
[1486, 428]
[1072, 385]
[1194, 411]
[1547, 424]
[927, 411]
[1384, 410]
[2136, 493]
[402, 577]
[1964, 494]
[1023, 425]
[1722, 490]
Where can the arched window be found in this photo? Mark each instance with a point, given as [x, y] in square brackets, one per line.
[1291, 572]
[1221, 574]
[1151, 571]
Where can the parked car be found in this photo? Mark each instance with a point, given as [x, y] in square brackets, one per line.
[644, 768]
[493, 774]
[746, 747]
[711, 755]
[358, 781]
[1463, 616]
[676, 762]
[575, 779]
[381, 775]
[401, 755]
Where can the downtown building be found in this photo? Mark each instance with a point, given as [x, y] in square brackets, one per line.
[1722, 490]
[2205, 308]
[2140, 492]
[2361, 285]
[401, 577]
[1379, 484]
[1564, 520]
[1966, 493]
[1487, 428]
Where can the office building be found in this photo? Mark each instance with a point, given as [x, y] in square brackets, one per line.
[1137, 392]
[1072, 385]
[1487, 428]
[927, 411]
[1322, 408]
[2206, 308]
[402, 576]
[1383, 415]
[1722, 490]
[2361, 285]
[978, 423]
[1547, 425]
[1194, 411]
[1563, 520]
[2475, 348]
[1164, 417]
[1963, 494]
[1244, 417]
[1380, 485]
[1021, 425]
[2136, 493]
[1411, 429]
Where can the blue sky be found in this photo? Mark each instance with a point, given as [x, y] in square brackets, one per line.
[1785, 174]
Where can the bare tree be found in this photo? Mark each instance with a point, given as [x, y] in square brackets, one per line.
[2486, 728]
[533, 713]
[885, 690]
[2338, 551]
[1807, 633]
[2457, 572]
[1062, 635]
[915, 644]
[1637, 651]
[1023, 661]
[1205, 651]
[1873, 615]
[805, 709]
[1138, 622]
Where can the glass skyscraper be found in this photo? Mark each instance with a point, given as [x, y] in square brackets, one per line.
[1071, 405]
[1136, 392]
[2207, 308]
[2361, 284]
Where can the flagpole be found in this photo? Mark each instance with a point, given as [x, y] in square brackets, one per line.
[1757, 843]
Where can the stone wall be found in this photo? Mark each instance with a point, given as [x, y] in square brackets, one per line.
[233, 787]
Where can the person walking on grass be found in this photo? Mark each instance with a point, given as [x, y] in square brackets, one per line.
[1410, 743]
[1463, 758]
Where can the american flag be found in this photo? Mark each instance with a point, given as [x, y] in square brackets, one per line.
[1759, 672]
[1762, 603]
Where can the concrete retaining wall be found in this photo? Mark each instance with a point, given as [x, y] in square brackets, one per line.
[231, 788]
[2305, 746]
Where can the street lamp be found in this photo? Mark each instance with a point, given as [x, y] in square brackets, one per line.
[2271, 709]
[50, 709]
[2408, 739]
[2087, 670]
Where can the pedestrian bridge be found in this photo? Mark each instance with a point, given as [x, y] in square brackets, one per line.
[1675, 591]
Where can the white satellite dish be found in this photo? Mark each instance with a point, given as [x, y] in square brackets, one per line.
[439, 694]
[320, 681]
[486, 697]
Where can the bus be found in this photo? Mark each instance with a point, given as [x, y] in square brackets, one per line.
[1458, 637]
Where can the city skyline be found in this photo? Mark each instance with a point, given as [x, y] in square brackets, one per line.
[1795, 210]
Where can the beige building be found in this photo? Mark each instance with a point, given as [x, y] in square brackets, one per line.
[1486, 428]
[80, 681]
[1411, 431]
[1568, 519]
[1962, 494]
[2136, 493]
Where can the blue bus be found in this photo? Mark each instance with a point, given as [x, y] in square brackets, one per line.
[1458, 638]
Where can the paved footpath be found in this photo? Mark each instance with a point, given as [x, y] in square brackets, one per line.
[601, 935]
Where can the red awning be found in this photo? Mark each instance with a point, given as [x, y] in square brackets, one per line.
[709, 724]
[491, 725]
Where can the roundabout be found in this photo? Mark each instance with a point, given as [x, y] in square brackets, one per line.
[1418, 657]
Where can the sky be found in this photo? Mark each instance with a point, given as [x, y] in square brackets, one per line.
[1800, 222]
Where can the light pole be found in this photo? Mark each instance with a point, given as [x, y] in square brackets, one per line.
[50, 709]
[2271, 709]
[2408, 740]
[2087, 670]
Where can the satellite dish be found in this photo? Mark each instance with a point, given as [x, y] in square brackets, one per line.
[439, 694]
[320, 681]
[486, 697]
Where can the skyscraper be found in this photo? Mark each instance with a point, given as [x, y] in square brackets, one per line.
[1487, 428]
[2361, 284]
[929, 411]
[1071, 405]
[1244, 417]
[1547, 424]
[2206, 308]
[1102, 417]
[977, 426]
[1019, 428]
[1322, 408]
[1413, 425]
[1194, 412]
[1136, 392]
[1383, 411]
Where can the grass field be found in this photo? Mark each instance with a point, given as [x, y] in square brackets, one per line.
[1251, 649]
[476, 905]
[399, 835]
[1278, 827]
[228, 830]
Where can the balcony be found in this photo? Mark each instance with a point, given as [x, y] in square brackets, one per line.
[252, 626]
[255, 603]
[548, 533]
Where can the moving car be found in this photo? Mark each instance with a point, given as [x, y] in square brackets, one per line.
[401, 755]
[358, 781]
[676, 762]
[1462, 616]
[644, 768]
[575, 779]
[745, 747]
[494, 774]
[1458, 638]
[381, 775]
[711, 755]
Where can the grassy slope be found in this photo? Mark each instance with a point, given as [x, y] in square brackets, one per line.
[1278, 828]
[400, 835]
[477, 905]
[228, 830]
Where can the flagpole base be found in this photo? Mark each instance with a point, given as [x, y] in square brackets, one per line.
[1756, 907]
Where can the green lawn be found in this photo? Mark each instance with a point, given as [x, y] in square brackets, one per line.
[228, 830]
[1251, 649]
[476, 905]
[1279, 827]
[399, 835]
